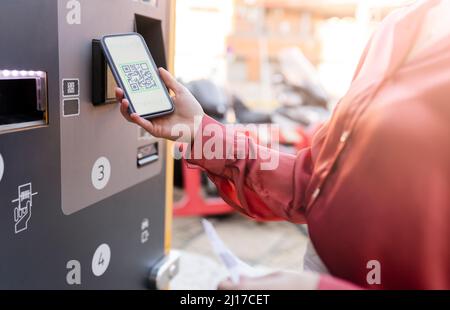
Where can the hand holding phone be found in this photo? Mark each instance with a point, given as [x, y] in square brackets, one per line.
[187, 111]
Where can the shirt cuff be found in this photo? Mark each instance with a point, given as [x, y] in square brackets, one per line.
[210, 132]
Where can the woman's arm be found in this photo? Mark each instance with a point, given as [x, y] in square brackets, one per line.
[259, 182]
[268, 186]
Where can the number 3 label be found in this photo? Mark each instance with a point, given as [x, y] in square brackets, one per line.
[101, 172]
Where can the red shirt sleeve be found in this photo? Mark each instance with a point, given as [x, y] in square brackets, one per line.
[274, 193]
[328, 283]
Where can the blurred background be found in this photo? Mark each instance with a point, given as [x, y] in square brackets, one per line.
[280, 62]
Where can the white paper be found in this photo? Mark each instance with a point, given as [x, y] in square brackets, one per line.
[234, 265]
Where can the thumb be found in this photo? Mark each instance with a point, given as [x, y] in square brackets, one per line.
[227, 285]
[170, 81]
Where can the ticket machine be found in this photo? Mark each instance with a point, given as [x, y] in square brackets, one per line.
[83, 193]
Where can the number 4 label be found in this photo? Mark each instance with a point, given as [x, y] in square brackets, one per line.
[101, 259]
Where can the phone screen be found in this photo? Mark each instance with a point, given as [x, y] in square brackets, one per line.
[139, 77]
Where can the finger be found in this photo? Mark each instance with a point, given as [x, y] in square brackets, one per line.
[119, 94]
[227, 285]
[170, 81]
[147, 125]
[124, 109]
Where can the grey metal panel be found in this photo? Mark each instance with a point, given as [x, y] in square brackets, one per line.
[36, 258]
[28, 32]
[102, 124]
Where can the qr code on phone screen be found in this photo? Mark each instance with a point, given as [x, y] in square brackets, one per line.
[139, 77]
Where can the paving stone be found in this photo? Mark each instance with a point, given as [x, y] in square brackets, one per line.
[277, 245]
[198, 272]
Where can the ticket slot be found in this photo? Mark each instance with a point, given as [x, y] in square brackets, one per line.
[147, 155]
[23, 99]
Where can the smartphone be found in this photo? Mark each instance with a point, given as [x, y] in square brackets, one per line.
[136, 73]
